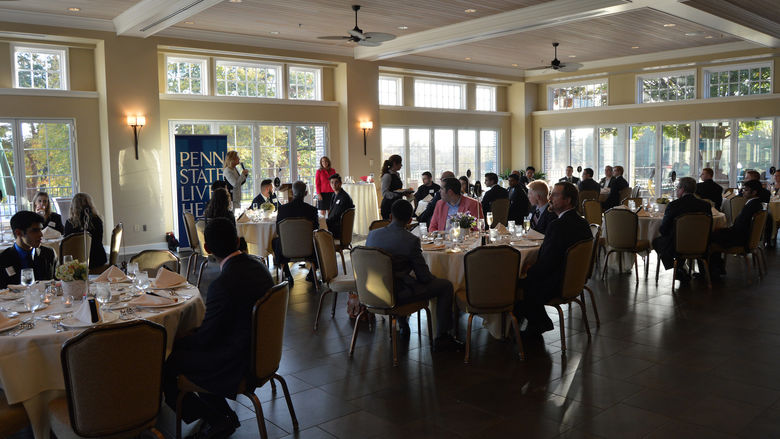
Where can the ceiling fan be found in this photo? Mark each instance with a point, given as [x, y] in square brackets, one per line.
[556, 64]
[356, 34]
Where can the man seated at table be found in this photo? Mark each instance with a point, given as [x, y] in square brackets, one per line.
[708, 189]
[739, 232]
[752, 175]
[216, 355]
[544, 278]
[518, 200]
[493, 192]
[607, 180]
[425, 217]
[405, 249]
[588, 183]
[428, 187]
[570, 178]
[339, 203]
[617, 184]
[266, 194]
[297, 208]
[686, 202]
[542, 215]
[775, 192]
[528, 177]
[27, 251]
[453, 202]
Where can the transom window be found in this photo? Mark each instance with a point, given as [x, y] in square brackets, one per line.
[305, 83]
[486, 98]
[41, 68]
[667, 86]
[248, 79]
[186, 76]
[752, 79]
[578, 95]
[390, 90]
[439, 94]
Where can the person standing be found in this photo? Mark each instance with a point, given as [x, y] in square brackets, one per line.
[27, 251]
[494, 192]
[42, 206]
[322, 185]
[570, 178]
[234, 178]
[82, 210]
[341, 203]
[518, 200]
[392, 186]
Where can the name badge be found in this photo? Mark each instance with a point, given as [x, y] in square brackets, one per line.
[51, 224]
[10, 270]
[338, 201]
[430, 191]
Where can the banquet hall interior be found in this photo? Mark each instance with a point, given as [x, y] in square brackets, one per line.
[101, 97]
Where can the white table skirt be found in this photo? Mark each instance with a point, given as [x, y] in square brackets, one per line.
[30, 366]
[366, 205]
[258, 236]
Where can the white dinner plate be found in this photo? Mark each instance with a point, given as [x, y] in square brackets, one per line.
[9, 324]
[181, 285]
[525, 244]
[20, 308]
[10, 295]
[73, 322]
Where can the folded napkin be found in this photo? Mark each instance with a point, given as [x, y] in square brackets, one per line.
[167, 279]
[244, 218]
[6, 323]
[533, 234]
[82, 313]
[430, 247]
[113, 274]
[501, 229]
[643, 213]
[51, 233]
[151, 300]
[714, 210]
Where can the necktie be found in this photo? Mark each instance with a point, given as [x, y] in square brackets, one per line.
[535, 217]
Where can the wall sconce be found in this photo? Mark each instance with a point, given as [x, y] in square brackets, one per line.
[136, 122]
[365, 126]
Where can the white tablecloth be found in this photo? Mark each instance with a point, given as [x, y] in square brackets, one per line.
[366, 205]
[30, 366]
[259, 234]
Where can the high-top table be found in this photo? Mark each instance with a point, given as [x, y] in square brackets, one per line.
[366, 205]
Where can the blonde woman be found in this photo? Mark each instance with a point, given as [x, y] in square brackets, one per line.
[42, 206]
[234, 178]
[82, 210]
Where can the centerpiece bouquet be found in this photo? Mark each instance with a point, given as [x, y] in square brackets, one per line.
[463, 220]
[73, 275]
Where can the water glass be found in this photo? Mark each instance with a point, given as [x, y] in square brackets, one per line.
[32, 301]
[67, 258]
[28, 276]
[631, 205]
[423, 227]
[493, 235]
[254, 206]
[142, 280]
[481, 225]
[67, 300]
[132, 270]
[511, 227]
[102, 292]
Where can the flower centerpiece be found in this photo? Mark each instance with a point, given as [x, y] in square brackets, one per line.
[463, 221]
[73, 275]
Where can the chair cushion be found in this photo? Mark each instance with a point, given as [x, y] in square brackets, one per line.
[12, 417]
[344, 283]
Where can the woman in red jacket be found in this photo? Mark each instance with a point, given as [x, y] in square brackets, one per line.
[322, 183]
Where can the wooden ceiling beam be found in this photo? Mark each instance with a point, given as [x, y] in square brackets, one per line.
[148, 17]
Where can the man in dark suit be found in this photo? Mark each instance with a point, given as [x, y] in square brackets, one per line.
[266, 194]
[545, 277]
[739, 232]
[542, 215]
[216, 355]
[518, 200]
[407, 258]
[528, 177]
[297, 208]
[428, 187]
[607, 180]
[340, 203]
[588, 183]
[570, 178]
[686, 202]
[617, 184]
[494, 192]
[427, 214]
[708, 189]
[27, 251]
[763, 194]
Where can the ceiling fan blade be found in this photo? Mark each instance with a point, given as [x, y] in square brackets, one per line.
[570, 67]
[357, 34]
[379, 37]
[368, 43]
[540, 67]
[333, 37]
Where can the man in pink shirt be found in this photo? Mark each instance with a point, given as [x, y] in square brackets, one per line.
[453, 202]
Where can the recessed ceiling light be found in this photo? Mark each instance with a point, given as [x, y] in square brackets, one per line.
[635, 47]
[189, 22]
[470, 11]
[572, 56]
[514, 65]
[670, 25]
[274, 32]
[74, 9]
[468, 58]
[708, 37]
[235, 1]
[403, 27]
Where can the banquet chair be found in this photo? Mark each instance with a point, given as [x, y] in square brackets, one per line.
[574, 277]
[113, 255]
[295, 237]
[268, 318]
[635, 191]
[325, 249]
[691, 242]
[751, 247]
[622, 229]
[595, 230]
[586, 195]
[737, 204]
[373, 269]
[637, 201]
[592, 211]
[200, 229]
[625, 193]
[500, 209]
[192, 238]
[345, 242]
[74, 245]
[13, 417]
[378, 224]
[105, 364]
[491, 285]
[150, 261]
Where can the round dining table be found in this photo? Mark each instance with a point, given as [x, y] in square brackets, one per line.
[30, 366]
[259, 233]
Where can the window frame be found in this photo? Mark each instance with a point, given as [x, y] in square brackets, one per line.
[707, 73]
[562, 85]
[205, 79]
[64, 63]
[242, 63]
[318, 81]
[657, 75]
[493, 97]
[461, 85]
[399, 80]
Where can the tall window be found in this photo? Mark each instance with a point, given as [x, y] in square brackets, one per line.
[578, 95]
[556, 154]
[248, 79]
[488, 147]
[393, 143]
[41, 68]
[486, 98]
[675, 155]
[751, 79]
[715, 150]
[419, 153]
[186, 76]
[444, 151]
[467, 152]
[667, 86]
[439, 94]
[390, 90]
[754, 147]
[239, 138]
[611, 149]
[582, 148]
[305, 83]
[643, 161]
[309, 147]
[274, 152]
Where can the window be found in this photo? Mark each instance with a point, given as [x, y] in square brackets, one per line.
[274, 152]
[239, 138]
[488, 145]
[675, 156]
[309, 143]
[390, 90]
[304, 83]
[439, 94]
[40, 68]
[186, 76]
[611, 149]
[642, 159]
[247, 79]
[444, 151]
[467, 153]
[419, 152]
[578, 95]
[754, 147]
[666, 87]
[486, 98]
[556, 154]
[715, 150]
[393, 143]
[745, 80]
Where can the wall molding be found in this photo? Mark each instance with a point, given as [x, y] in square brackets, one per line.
[49, 93]
[444, 110]
[246, 100]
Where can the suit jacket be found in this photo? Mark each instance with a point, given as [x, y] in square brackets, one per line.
[97, 254]
[739, 232]
[340, 203]
[615, 186]
[687, 204]
[603, 182]
[524, 180]
[55, 222]
[425, 217]
[423, 191]
[439, 218]
[221, 344]
[43, 265]
[407, 256]
[573, 180]
[297, 208]
[260, 199]
[710, 190]
[589, 185]
[495, 193]
[518, 204]
[547, 217]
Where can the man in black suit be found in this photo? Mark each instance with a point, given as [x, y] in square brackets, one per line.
[216, 355]
[588, 183]
[708, 189]
[425, 217]
[686, 202]
[340, 203]
[428, 187]
[569, 178]
[763, 194]
[297, 208]
[545, 277]
[266, 194]
[494, 192]
[542, 215]
[528, 177]
[518, 200]
[617, 184]
[739, 232]
[27, 251]
[607, 180]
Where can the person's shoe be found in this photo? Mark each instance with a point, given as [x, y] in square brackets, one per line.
[682, 275]
[219, 430]
[311, 277]
[448, 343]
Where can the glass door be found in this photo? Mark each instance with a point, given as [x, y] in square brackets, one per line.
[611, 149]
[641, 169]
[754, 147]
[715, 151]
[675, 156]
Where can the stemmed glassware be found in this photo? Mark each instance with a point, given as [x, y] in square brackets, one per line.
[32, 297]
[489, 217]
[142, 281]
[102, 293]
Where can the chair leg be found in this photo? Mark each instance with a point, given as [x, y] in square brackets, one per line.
[706, 266]
[674, 274]
[419, 328]
[289, 401]
[430, 326]
[354, 332]
[200, 270]
[189, 265]
[335, 300]
[394, 338]
[657, 266]
[468, 340]
[620, 262]
[179, 401]
[584, 316]
[563, 331]
[593, 302]
[636, 269]
[258, 414]
[319, 308]
[343, 262]
[606, 264]
[647, 265]
[273, 388]
[516, 327]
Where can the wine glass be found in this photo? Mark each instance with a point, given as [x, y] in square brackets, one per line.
[527, 224]
[490, 219]
[67, 258]
[28, 277]
[254, 206]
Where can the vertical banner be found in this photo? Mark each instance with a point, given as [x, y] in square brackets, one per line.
[199, 162]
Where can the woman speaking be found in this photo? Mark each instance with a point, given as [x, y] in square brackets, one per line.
[233, 177]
